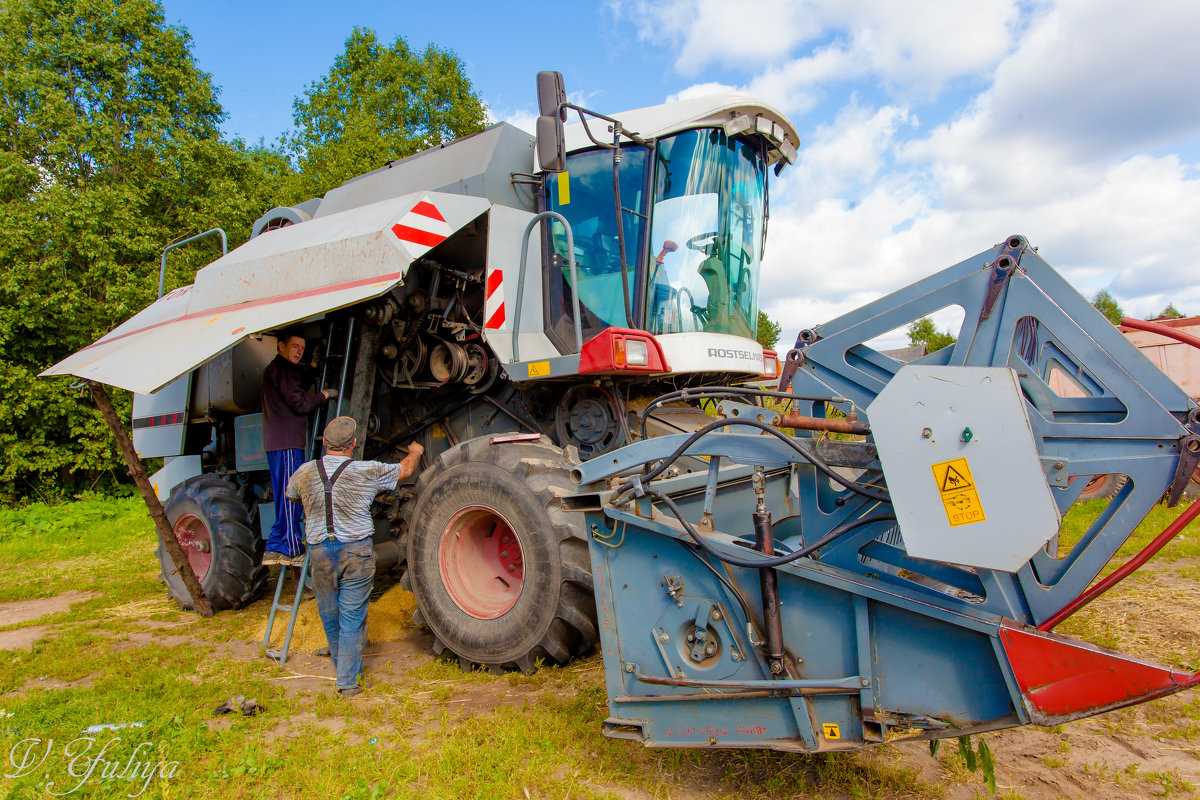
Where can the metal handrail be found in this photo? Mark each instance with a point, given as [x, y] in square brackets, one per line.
[162, 270]
[521, 280]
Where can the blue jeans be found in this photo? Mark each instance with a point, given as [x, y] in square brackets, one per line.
[286, 534]
[343, 574]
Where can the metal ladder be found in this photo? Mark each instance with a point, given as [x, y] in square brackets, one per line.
[281, 654]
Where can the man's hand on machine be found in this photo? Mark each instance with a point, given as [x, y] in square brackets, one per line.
[329, 393]
[408, 464]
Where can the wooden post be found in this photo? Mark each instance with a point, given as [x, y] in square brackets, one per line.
[362, 384]
[165, 535]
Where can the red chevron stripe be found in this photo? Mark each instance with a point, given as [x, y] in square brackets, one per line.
[417, 236]
[427, 209]
[497, 319]
[494, 280]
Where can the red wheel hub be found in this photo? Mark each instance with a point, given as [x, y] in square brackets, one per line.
[481, 563]
[193, 537]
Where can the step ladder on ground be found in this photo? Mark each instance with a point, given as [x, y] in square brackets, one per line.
[280, 654]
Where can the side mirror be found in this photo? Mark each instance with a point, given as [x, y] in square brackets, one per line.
[551, 141]
[551, 144]
[551, 94]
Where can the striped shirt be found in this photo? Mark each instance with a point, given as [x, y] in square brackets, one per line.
[353, 492]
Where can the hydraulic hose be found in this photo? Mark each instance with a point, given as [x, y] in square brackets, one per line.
[701, 392]
[759, 563]
[812, 458]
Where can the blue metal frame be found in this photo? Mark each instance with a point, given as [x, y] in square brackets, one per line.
[883, 645]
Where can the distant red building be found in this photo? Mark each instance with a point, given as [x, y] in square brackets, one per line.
[1181, 362]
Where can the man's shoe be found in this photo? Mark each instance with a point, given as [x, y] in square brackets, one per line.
[350, 692]
[271, 558]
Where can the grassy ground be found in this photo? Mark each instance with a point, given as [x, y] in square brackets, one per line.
[424, 729]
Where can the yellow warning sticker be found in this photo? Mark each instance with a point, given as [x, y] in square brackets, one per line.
[539, 369]
[830, 730]
[957, 490]
[564, 188]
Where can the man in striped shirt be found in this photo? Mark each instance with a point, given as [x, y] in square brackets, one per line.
[336, 494]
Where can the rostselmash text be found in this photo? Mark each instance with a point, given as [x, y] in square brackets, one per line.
[723, 352]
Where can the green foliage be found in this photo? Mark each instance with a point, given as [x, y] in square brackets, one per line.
[978, 760]
[44, 548]
[1107, 305]
[923, 332]
[109, 149]
[379, 103]
[768, 331]
[1170, 312]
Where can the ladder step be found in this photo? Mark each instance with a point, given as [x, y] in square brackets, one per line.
[281, 654]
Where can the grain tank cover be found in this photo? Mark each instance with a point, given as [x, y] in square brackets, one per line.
[275, 279]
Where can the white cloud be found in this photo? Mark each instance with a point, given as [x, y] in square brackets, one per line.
[1069, 121]
[699, 90]
[1103, 75]
[850, 152]
[713, 31]
[523, 118]
[910, 48]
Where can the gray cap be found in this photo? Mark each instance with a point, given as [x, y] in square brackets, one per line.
[339, 433]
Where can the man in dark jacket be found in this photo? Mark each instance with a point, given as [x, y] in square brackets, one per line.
[286, 405]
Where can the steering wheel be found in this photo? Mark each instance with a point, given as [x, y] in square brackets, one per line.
[697, 243]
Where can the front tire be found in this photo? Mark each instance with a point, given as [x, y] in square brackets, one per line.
[213, 527]
[500, 572]
[1103, 487]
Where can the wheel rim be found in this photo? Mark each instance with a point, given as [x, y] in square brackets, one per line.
[481, 562]
[193, 537]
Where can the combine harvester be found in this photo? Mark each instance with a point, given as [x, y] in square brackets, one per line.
[749, 588]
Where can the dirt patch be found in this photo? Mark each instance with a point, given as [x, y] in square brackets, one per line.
[25, 610]
[132, 641]
[298, 724]
[22, 638]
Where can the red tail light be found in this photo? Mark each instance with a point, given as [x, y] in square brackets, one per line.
[621, 350]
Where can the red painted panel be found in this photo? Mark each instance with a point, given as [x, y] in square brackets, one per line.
[417, 236]
[428, 209]
[494, 280]
[1063, 678]
[497, 318]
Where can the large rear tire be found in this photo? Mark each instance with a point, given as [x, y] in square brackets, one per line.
[500, 572]
[213, 527]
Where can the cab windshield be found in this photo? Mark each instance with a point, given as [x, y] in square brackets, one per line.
[706, 235]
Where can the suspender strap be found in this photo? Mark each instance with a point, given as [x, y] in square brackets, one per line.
[328, 481]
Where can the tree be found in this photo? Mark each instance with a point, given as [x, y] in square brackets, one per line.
[1170, 312]
[1107, 305]
[379, 103]
[924, 332]
[109, 149]
[768, 331]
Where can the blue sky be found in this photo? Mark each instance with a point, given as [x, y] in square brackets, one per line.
[930, 129]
